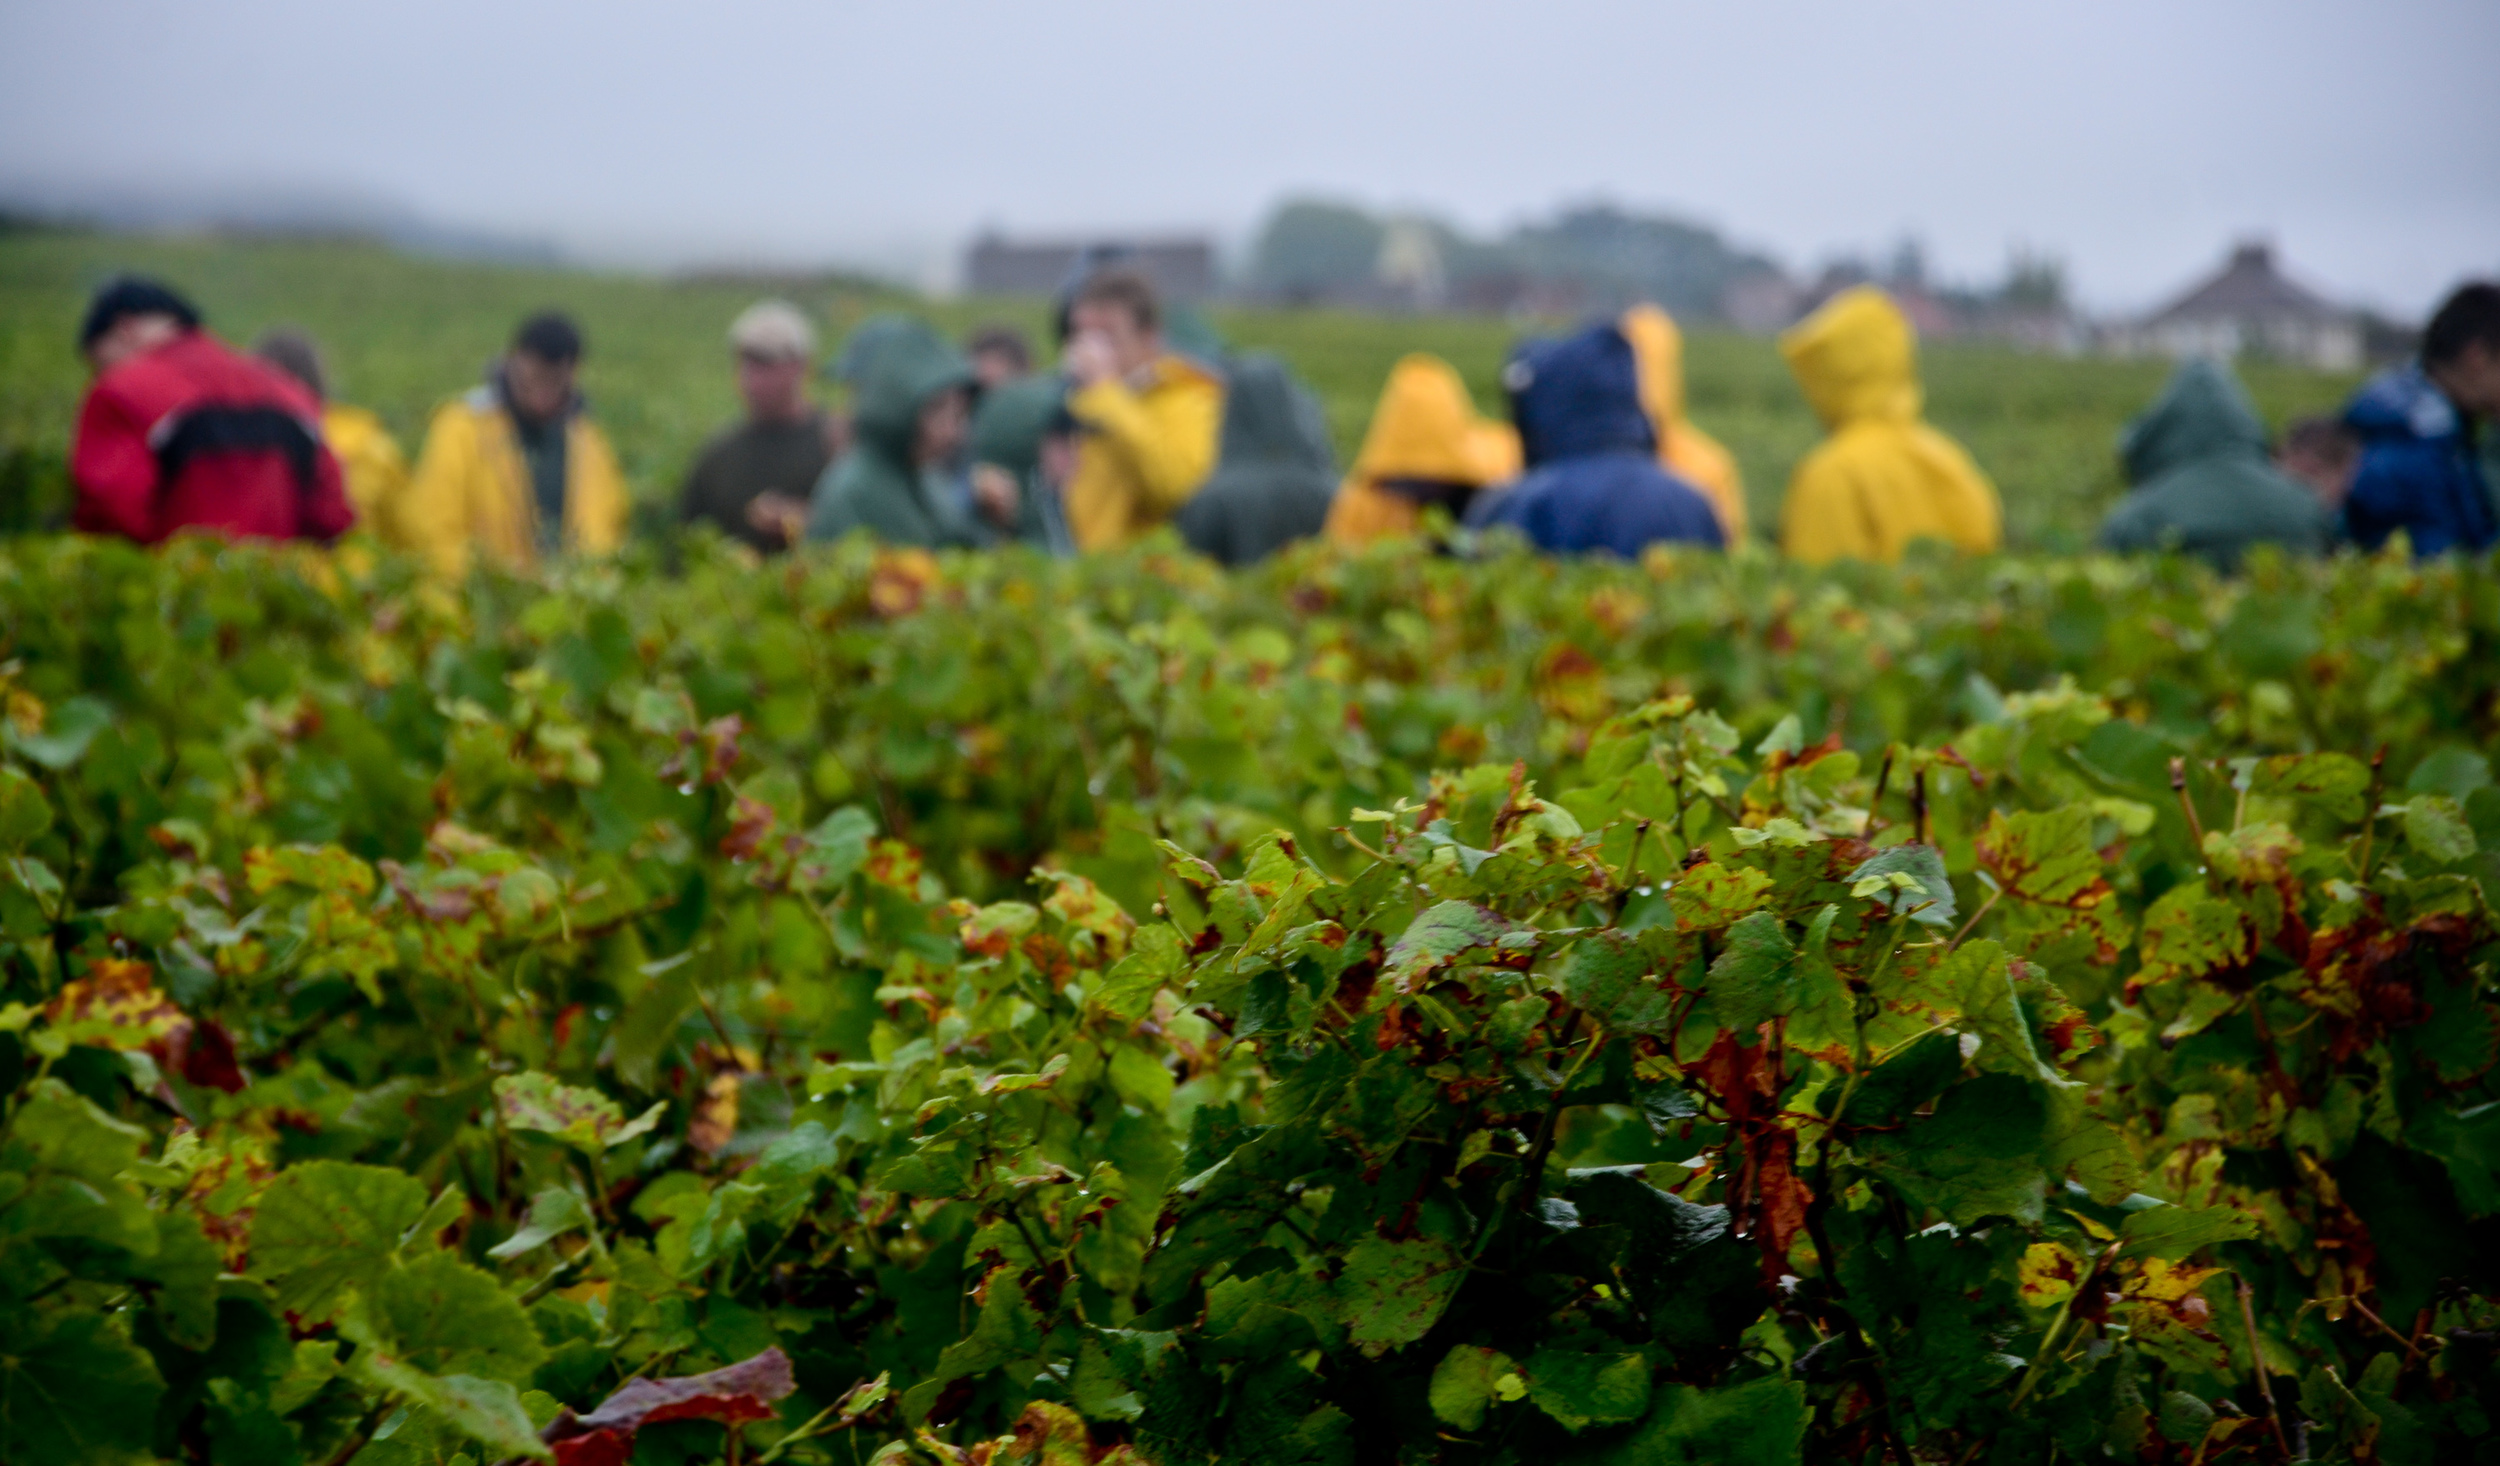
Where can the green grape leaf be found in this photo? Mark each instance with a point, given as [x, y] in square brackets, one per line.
[73, 1391]
[2173, 1232]
[442, 1316]
[24, 813]
[1607, 976]
[2435, 825]
[1977, 1156]
[1755, 979]
[325, 1228]
[1760, 1423]
[1392, 1293]
[582, 1118]
[1439, 937]
[1463, 1384]
[1928, 894]
[1581, 1390]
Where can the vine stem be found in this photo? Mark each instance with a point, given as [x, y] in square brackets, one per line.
[2257, 1357]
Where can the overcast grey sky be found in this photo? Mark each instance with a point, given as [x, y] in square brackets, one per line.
[2134, 138]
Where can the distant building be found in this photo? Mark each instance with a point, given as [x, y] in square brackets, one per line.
[1183, 269]
[2251, 308]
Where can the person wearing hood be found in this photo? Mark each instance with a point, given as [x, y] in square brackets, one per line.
[1149, 415]
[911, 412]
[1687, 452]
[180, 431]
[1426, 446]
[2202, 481]
[1593, 480]
[373, 469]
[1274, 476]
[1883, 477]
[515, 471]
[2420, 469]
[1013, 429]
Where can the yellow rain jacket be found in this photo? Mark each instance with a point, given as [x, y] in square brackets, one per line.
[471, 492]
[1683, 450]
[1884, 477]
[375, 471]
[1147, 447]
[1425, 427]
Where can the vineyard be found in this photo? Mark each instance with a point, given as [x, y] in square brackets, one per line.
[1382, 1008]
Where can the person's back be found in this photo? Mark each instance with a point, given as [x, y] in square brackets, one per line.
[1426, 446]
[909, 415]
[752, 480]
[2202, 482]
[515, 471]
[2421, 470]
[1593, 482]
[180, 431]
[1009, 430]
[1273, 481]
[1883, 477]
[374, 470]
[1687, 452]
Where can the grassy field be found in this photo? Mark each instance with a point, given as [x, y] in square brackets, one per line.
[404, 333]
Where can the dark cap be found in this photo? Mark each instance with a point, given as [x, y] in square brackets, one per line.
[549, 336]
[132, 295]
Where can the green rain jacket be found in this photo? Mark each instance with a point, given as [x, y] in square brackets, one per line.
[875, 486]
[2197, 458]
[1274, 473]
[1007, 432]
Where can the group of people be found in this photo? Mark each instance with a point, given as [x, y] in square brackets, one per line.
[1148, 420]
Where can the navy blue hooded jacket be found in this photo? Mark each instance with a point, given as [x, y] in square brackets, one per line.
[2418, 469]
[1593, 480]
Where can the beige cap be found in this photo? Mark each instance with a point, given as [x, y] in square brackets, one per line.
[774, 329]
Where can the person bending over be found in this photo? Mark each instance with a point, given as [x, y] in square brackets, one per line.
[1593, 482]
[1884, 477]
[2197, 459]
[376, 472]
[180, 431]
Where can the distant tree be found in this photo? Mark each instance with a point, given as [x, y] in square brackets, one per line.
[2034, 282]
[1310, 249]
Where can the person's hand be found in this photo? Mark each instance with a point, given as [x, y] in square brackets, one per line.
[994, 492]
[1089, 358]
[777, 516]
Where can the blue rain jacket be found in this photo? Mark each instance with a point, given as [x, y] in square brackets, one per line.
[2419, 472]
[1593, 482]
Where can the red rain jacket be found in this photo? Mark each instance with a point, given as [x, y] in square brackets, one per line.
[195, 435]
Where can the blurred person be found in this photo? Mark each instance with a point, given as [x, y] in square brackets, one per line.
[515, 471]
[752, 481]
[1883, 477]
[1150, 416]
[376, 472]
[1272, 482]
[1012, 430]
[2321, 455]
[911, 416]
[1687, 452]
[181, 431]
[2202, 483]
[1000, 354]
[1593, 482]
[1426, 446]
[2421, 468]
